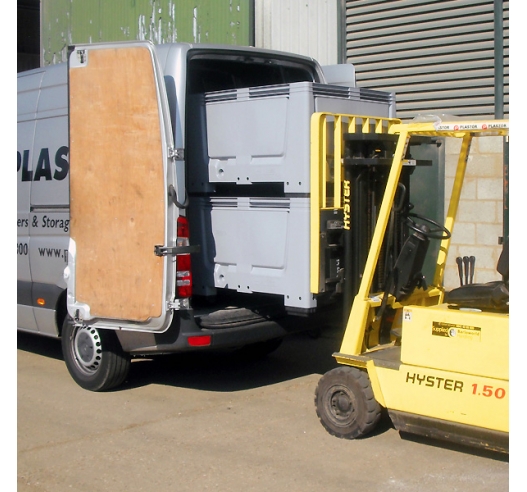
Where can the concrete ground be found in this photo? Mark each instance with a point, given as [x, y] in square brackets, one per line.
[207, 422]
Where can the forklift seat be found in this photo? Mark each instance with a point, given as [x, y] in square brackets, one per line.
[487, 296]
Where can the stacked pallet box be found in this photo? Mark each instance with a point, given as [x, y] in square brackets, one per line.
[249, 186]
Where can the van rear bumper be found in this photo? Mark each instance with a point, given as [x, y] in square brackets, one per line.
[231, 325]
[184, 329]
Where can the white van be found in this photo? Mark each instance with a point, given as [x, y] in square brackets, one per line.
[163, 200]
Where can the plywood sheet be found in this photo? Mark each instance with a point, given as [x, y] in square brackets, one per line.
[117, 184]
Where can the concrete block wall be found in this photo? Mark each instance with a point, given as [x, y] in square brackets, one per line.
[479, 223]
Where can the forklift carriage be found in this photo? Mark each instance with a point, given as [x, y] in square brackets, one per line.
[436, 361]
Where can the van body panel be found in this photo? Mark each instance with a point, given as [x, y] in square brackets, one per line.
[42, 195]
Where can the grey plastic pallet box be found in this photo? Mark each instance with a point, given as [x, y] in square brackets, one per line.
[262, 134]
[253, 245]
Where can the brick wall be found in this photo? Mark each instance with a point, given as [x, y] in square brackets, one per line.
[479, 222]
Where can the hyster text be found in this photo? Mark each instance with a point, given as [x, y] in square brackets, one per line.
[434, 382]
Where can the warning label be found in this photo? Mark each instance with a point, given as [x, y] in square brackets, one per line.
[440, 329]
[500, 125]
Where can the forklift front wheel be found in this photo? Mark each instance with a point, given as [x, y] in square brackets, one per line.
[345, 403]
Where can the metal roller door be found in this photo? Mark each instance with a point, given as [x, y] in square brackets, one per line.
[437, 56]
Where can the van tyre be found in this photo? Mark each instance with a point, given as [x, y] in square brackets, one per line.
[94, 358]
[345, 403]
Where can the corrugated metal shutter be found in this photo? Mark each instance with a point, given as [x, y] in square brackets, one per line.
[437, 56]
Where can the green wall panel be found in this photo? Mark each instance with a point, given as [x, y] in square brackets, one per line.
[67, 22]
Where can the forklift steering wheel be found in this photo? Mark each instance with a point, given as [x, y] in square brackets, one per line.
[437, 232]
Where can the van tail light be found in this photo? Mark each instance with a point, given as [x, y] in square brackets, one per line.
[183, 263]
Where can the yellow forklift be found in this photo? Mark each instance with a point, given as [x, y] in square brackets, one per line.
[437, 361]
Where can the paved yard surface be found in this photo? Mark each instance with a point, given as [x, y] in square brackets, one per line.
[208, 422]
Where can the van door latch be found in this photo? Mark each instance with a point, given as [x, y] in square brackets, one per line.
[176, 250]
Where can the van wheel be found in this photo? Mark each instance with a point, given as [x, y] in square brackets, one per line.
[345, 403]
[94, 358]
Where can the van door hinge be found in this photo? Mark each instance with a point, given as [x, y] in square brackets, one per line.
[177, 154]
[176, 250]
[178, 304]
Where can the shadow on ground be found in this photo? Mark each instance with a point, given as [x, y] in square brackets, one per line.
[45, 346]
[299, 355]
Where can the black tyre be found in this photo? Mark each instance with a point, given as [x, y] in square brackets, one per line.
[94, 358]
[345, 403]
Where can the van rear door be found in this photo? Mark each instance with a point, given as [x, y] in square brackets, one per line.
[120, 173]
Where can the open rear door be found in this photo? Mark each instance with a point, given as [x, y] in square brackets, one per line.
[120, 172]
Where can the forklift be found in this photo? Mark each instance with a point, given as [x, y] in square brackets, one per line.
[437, 362]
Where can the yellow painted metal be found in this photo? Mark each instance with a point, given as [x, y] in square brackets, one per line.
[445, 395]
[337, 159]
[353, 341]
[376, 383]
[452, 208]
[456, 129]
[318, 159]
[469, 342]
[326, 169]
[466, 130]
